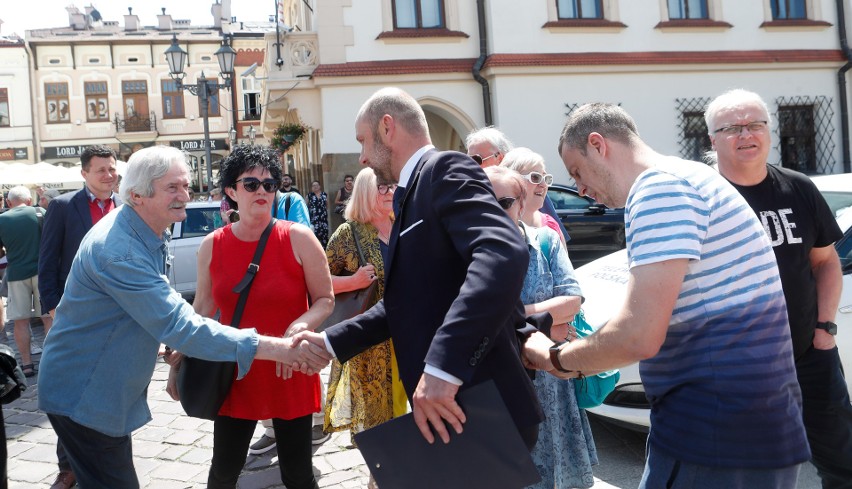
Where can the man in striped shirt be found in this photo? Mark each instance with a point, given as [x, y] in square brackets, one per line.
[704, 314]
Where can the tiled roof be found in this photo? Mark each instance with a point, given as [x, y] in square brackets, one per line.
[395, 67]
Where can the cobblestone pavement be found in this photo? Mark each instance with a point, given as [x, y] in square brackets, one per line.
[173, 450]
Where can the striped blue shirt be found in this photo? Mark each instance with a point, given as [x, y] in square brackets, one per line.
[723, 388]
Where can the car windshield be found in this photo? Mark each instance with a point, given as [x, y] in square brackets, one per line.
[838, 202]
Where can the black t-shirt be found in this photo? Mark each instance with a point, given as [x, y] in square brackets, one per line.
[797, 219]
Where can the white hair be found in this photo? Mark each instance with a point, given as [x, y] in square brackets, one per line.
[523, 161]
[20, 194]
[493, 136]
[730, 100]
[146, 166]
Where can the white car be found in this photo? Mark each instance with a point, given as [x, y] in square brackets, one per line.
[201, 219]
[604, 286]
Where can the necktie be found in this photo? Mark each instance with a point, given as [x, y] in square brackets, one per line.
[398, 194]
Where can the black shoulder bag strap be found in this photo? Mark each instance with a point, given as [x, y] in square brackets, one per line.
[361, 260]
[243, 287]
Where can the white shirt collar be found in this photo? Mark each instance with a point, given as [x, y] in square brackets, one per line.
[408, 169]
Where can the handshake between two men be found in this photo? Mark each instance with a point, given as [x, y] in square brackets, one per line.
[299, 350]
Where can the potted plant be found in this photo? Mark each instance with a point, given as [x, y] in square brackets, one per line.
[288, 134]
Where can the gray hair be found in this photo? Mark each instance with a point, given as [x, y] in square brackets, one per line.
[523, 161]
[733, 99]
[507, 174]
[20, 194]
[491, 135]
[608, 120]
[146, 166]
[398, 104]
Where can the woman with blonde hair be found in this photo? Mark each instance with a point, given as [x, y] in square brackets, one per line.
[366, 390]
[530, 165]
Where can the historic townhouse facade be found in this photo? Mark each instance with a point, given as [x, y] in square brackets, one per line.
[16, 123]
[99, 82]
[524, 66]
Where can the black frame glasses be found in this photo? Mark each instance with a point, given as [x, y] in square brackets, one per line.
[536, 178]
[754, 127]
[506, 203]
[251, 184]
[384, 189]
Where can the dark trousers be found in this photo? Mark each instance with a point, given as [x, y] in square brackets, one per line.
[99, 461]
[64, 464]
[231, 438]
[827, 415]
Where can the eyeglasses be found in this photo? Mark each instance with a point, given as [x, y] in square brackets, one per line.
[383, 189]
[251, 184]
[507, 202]
[754, 127]
[481, 159]
[536, 178]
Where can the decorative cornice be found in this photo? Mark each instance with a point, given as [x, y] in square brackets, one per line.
[395, 67]
[666, 58]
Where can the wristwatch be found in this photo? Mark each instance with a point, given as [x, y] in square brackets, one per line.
[826, 325]
[554, 358]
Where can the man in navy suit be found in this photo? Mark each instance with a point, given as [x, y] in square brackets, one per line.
[454, 271]
[70, 217]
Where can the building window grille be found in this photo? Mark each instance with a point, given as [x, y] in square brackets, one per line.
[694, 142]
[806, 134]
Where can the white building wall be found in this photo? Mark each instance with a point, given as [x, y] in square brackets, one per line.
[531, 109]
[14, 77]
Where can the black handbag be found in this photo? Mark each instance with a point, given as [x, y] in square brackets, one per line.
[349, 304]
[203, 385]
[12, 379]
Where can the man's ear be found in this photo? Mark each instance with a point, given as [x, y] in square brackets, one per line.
[713, 142]
[387, 128]
[597, 143]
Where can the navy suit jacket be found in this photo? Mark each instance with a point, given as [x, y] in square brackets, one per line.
[453, 280]
[67, 220]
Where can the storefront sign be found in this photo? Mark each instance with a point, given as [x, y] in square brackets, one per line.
[13, 154]
[198, 145]
[58, 152]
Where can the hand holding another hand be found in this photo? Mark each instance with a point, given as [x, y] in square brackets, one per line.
[308, 352]
[536, 352]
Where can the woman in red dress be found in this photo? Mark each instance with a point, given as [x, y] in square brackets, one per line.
[293, 270]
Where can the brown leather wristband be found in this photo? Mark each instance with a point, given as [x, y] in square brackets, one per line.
[554, 358]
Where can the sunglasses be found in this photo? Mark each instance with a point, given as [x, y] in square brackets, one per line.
[481, 159]
[251, 184]
[384, 189]
[536, 178]
[507, 202]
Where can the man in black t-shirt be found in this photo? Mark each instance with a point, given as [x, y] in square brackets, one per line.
[802, 230]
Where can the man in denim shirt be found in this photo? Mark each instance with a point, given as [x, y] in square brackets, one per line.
[117, 309]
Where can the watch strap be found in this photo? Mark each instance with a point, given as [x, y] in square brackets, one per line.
[554, 358]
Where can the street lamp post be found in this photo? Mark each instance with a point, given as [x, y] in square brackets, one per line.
[204, 89]
[252, 133]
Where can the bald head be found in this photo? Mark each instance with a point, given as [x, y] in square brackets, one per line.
[398, 104]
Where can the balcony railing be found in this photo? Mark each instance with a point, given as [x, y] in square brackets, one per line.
[136, 123]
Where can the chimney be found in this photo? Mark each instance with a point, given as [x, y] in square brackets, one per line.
[76, 19]
[131, 22]
[164, 22]
[216, 10]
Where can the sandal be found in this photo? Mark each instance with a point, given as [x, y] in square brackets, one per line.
[28, 370]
